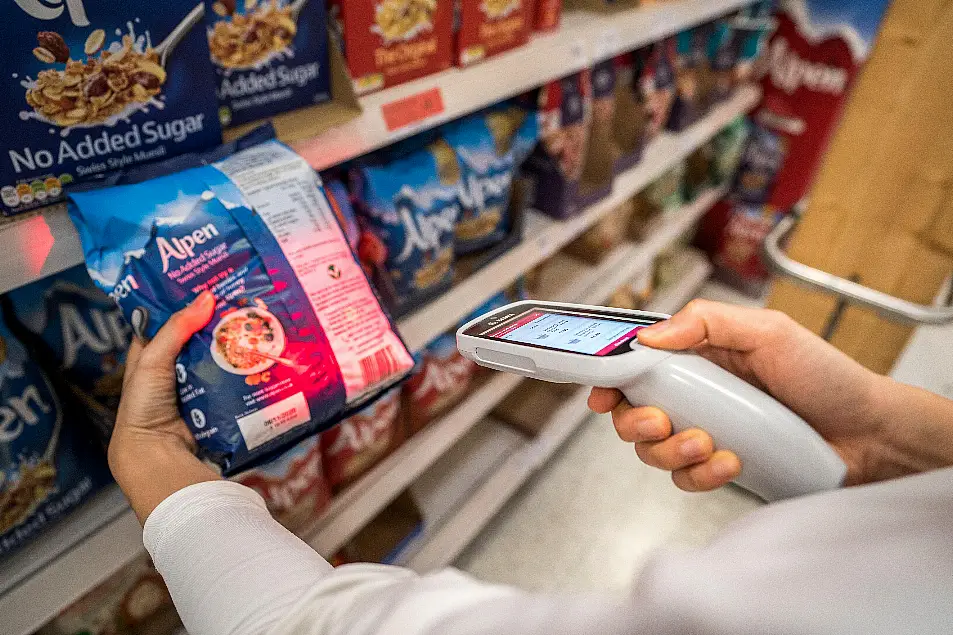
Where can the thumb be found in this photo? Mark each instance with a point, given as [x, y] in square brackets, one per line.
[165, 346]
[720, 325]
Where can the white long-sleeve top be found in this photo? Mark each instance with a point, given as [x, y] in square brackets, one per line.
[873, 559]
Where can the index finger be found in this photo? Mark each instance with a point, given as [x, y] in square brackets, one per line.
[603, 400]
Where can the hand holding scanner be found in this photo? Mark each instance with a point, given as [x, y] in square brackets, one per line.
[781, 455]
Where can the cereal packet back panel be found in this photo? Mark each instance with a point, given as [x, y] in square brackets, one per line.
[78, 330]
[410, 207]
[489, 148]
[94, 86]
[298, 336]
[269, 55]
[388, 42]
[46, 469]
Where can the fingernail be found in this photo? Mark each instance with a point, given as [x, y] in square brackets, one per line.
[692, 448]
[723, 468]
[658, 327]
[138, 320]
[649, 429]
[205, 299]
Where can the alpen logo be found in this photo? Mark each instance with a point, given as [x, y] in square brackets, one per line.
[54, 9]
[424, 232]
[108, 332]
[789, 72]
[18, 412]
[182, 248]
[476, 190]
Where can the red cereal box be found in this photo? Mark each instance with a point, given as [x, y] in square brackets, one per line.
[548, 15]
[361, 440]
[440, 381]
[387, 42]
[488, 27]
[293, 485]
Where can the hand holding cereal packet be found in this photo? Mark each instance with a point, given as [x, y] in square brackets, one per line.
[298, 339]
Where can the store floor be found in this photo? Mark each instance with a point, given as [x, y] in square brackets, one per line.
[591, 517]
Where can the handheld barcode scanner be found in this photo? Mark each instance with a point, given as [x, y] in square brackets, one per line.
[781, 455]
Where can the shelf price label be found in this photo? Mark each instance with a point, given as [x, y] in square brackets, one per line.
[414, 109]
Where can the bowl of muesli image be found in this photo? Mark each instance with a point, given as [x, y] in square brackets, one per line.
[247, 341]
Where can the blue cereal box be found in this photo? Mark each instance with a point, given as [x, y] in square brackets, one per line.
[269, 55]
[90, 86]
[46, 469]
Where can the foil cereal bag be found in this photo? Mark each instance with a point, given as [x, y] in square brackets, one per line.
[269, 55]
[79, 331]
[361, 440]
[293, 485]
[93, 86]
[489, 148]
[298, 338]
[409, 206]
[46, 468]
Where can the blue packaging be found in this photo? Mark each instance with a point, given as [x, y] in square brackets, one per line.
[489, 147]
[269, 55]
[46, 469]
[411, 205]
[298, 339]
[95, 86]
[78, 330]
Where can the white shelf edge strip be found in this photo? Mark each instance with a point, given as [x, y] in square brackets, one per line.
[543, 236]
[445, 543]
[582, 40]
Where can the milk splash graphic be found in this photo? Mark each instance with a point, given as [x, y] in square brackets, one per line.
[140, 44]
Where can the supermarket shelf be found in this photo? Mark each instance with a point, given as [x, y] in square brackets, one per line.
[694, 270]
[356, 506]
[595, 284]
[544, 236]
[41, 244]
[582, 39]
[447, 541]
[71, 557]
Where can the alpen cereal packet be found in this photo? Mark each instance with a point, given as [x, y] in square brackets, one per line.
[269, 55]
[93, 86]
[489, 147]
[46, 468]
[298, 339]
[409, 207]
[76, 329]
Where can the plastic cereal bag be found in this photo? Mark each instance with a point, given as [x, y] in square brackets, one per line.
[298, 338]
[410, 206]
[440, 381]
[489, 147]
[46, 469]
[77, 329]
[361, 440]
[293, 485]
